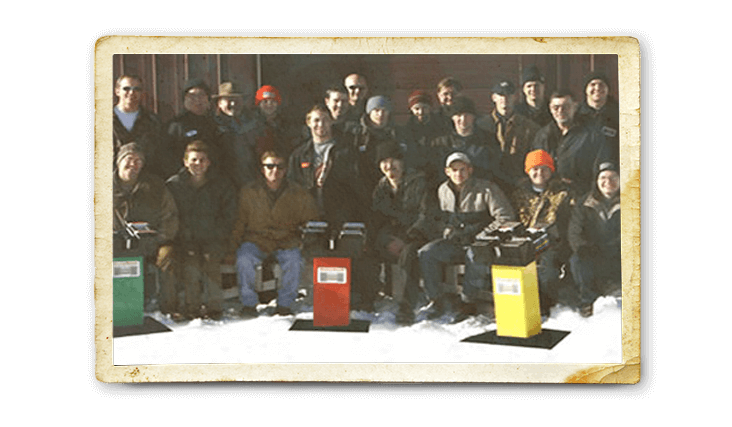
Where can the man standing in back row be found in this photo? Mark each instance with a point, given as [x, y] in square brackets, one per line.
[358, 92]
[575, 147]
[131, 122]
[534, 105]
[514, 133]
[194, 124]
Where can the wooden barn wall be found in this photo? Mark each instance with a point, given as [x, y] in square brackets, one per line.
[301, 79]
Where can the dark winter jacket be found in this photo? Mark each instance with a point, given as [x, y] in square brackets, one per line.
[576, 154]
[206, 213]
[366, 142]
[481, 147]
[342, 197]
[183, 130]
[147, 201]
[515, 135]
[418, 136]
[280, 134]
[607, 120]
[347, 122]
[146, 132]
[240, 161]
[399, 210]
[541, 116]
[594, 227]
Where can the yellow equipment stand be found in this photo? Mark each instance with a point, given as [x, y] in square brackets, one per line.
[516, 296]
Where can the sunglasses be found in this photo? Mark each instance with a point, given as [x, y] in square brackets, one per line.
[271, 166]
[132, 88]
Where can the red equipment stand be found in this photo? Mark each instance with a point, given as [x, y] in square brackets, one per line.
[331, 291]
[332, 250]
[331, 298]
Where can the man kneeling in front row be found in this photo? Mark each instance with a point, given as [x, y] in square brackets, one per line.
[271, 212]
[467, 206]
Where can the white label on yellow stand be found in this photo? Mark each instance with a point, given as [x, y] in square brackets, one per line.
[506, 286]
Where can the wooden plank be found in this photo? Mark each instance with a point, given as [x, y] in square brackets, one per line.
[240, 69]
[169, 82]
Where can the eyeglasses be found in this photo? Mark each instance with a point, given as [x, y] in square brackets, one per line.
[271, 166]
[132, 88]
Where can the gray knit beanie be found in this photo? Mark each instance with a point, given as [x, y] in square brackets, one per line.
[378, 102]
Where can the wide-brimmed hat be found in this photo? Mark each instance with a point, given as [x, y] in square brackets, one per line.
[228, 89]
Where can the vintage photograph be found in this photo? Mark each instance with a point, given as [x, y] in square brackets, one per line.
[406, 210]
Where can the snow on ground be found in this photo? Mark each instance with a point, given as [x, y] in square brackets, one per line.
[267, 339]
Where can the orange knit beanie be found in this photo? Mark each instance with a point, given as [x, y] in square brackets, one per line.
[538, 158]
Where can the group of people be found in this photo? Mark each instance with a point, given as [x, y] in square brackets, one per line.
[244, 181]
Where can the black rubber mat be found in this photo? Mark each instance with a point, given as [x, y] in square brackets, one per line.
[353, 326]
[149, 326]
[547, 339]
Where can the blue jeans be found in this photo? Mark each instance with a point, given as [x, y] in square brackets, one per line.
[434, 256]
[248, 256]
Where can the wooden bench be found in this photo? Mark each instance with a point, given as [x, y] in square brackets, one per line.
[268, 276]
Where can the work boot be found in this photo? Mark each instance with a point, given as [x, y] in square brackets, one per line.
[177, 317]
[467, 310]
[195, 313]
[586, 310]
[405, 315]
[282, 311]
[545, 304]
[486, 308]
[212, 313]
[447, 303]
[478, 308]
[248, 312]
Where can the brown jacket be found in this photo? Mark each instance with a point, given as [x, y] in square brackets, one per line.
[273, 226]
[147, 201]
[515, 142]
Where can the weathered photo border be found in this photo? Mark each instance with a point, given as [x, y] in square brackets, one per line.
[628, 371]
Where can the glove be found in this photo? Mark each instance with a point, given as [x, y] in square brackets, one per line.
[464, 236]
[165, 258]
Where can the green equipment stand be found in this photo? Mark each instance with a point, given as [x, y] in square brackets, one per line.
[129, 291]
